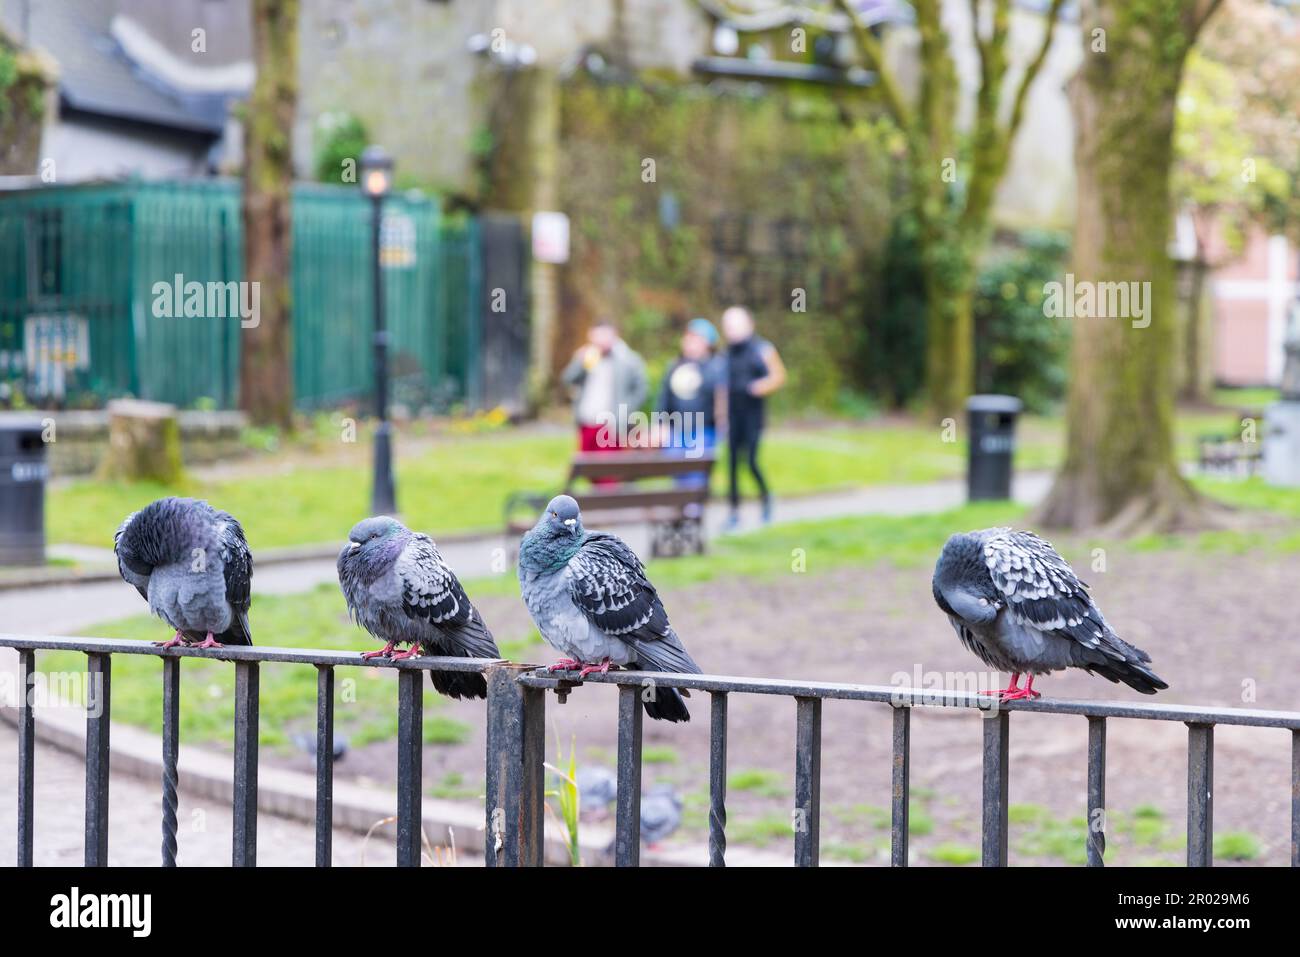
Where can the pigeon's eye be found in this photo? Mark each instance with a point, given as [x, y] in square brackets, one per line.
[556, 514]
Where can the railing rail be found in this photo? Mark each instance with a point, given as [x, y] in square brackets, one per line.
[515, 719]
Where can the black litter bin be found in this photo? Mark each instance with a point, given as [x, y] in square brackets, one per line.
[992, 445]
[22, 492]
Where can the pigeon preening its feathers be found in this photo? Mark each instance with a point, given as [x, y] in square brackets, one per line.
[1018, 605]
[192, 564]
[399, 589]
[589, 596]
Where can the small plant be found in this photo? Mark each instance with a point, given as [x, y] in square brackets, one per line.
[569, 799]
[957, 854]
[1236, 846]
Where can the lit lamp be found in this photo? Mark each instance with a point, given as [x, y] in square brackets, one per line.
[376, 181]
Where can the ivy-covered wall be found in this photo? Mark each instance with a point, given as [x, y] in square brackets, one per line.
[25, 80]
[683, 199]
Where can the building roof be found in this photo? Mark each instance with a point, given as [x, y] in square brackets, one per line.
[98, 76]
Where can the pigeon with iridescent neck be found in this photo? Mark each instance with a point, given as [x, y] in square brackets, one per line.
[590, 598]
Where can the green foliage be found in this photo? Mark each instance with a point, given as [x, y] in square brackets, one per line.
[890, 341]
[773, 193]
[1018, 350]
[569, 800]
[1236, 846]
[340, 137]
[953, 853]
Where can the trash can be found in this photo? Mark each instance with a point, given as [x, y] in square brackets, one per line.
[22, 492]
[992, 445]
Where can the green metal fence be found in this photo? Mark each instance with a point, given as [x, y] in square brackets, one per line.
[91, 278]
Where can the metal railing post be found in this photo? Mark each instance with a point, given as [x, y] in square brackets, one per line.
[27, 757]
[1200, 795]
[410, 765]
[627, 834]
[997, 731]
[171, 722]
[516, 749]
[324, 765]
[901, 791]
[247, 707]
[99, 674]
[1096, 792]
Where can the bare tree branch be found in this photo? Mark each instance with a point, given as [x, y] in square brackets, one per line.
[875, 57]
[1031, 71]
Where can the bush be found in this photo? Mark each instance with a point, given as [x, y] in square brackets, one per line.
[339, 137]
[1018, 350]
[891, 342]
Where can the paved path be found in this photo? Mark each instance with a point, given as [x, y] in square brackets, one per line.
[135, 828]
[69, 609]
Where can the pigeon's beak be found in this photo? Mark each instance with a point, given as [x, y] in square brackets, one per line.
[354, 545]
[572, 523]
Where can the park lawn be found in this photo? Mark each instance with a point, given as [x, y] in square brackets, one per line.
[459, 483]
[318, 618]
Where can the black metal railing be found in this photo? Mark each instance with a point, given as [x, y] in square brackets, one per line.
[808, 697]
[515, 716]
[515, 744]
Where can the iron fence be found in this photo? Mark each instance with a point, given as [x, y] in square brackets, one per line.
[515, 718]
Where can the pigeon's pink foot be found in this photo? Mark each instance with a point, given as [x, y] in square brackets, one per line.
[565, 664]
[603, 668]
[1012, 691]
[383, 652]
[412, 652]
[208, 642]
[174, 641]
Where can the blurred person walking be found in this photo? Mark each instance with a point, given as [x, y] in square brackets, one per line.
[754, 371]
[608, 379]
[692, 397]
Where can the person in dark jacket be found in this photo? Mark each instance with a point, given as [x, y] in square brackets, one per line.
[691, 396]
[754, 371]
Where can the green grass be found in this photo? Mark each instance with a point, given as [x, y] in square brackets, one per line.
[1236, 846]
[759, 781]
[760, 831]
[658, 754]
[953, 853]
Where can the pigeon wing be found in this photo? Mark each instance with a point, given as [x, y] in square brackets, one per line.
[432, 592]
[608, 583]
[1043, 592]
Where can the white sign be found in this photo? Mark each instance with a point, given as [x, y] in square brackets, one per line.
[550, 237]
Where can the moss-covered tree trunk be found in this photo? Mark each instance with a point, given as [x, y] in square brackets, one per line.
[265, 359]
[1120, 469]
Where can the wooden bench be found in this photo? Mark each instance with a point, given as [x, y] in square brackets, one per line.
[674, 513]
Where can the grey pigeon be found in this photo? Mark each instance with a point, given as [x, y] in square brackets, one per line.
[589, 596]
[192, 564]
[400, 590]
[1018, 605]
[661, 813]
[597, 786]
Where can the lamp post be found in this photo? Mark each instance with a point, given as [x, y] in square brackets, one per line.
[376, 181]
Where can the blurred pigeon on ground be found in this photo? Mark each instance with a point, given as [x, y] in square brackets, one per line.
[1018, 605]
[192, 564]
[400, 590]
[597, 787]
[307, 744]
[661, 813]
[590, 598]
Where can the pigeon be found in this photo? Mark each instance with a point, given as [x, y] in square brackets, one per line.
[590, 598]
[1018, 605]
[661, 813]
[399, 589]
[597, 786]
[191, 563]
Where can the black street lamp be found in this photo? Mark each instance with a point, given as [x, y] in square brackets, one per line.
[376, 181]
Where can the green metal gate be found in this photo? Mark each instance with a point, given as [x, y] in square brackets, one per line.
[90, 278]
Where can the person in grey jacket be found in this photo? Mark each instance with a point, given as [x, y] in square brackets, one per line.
[609, 383]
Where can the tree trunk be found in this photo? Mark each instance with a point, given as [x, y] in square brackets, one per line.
[265, 360]
[950, 329]
[144, 443]
[1120, 469]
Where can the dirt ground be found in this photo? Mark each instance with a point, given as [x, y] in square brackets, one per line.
[1219, 627]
